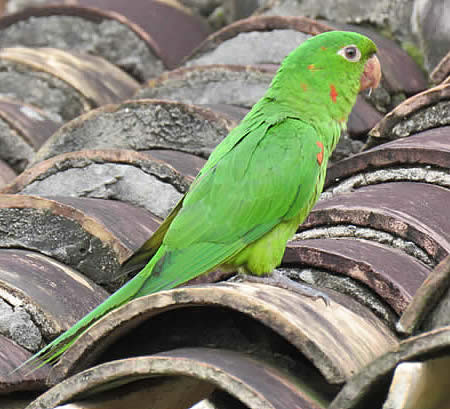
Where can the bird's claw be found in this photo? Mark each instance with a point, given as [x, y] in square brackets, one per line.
[277, 279]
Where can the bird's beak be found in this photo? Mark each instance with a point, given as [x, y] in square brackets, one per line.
[372, 74]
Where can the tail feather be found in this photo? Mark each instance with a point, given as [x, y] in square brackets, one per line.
[51, 353]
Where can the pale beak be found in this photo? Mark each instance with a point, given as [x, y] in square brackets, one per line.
[372, 74]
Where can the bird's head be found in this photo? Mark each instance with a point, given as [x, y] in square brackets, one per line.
[327, 72]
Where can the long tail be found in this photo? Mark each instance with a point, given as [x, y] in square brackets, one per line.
[51, 352]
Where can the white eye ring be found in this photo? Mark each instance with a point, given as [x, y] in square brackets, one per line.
[350, 53]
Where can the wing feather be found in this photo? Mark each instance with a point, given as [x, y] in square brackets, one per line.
[265, 179]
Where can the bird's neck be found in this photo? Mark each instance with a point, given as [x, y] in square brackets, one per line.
[313, 95]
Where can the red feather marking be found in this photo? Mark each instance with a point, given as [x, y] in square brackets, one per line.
[333, 93]
[304, 86]
[320, 154]
[313, 68]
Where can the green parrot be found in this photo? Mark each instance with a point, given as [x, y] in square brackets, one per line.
[259, 183]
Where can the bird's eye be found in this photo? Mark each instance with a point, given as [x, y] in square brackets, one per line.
[350, 53]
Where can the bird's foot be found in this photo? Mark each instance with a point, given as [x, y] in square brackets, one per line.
[277, 279]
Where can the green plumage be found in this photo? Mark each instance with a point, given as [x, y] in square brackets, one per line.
[258, 185]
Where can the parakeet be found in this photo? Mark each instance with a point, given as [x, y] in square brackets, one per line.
[259, 183]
